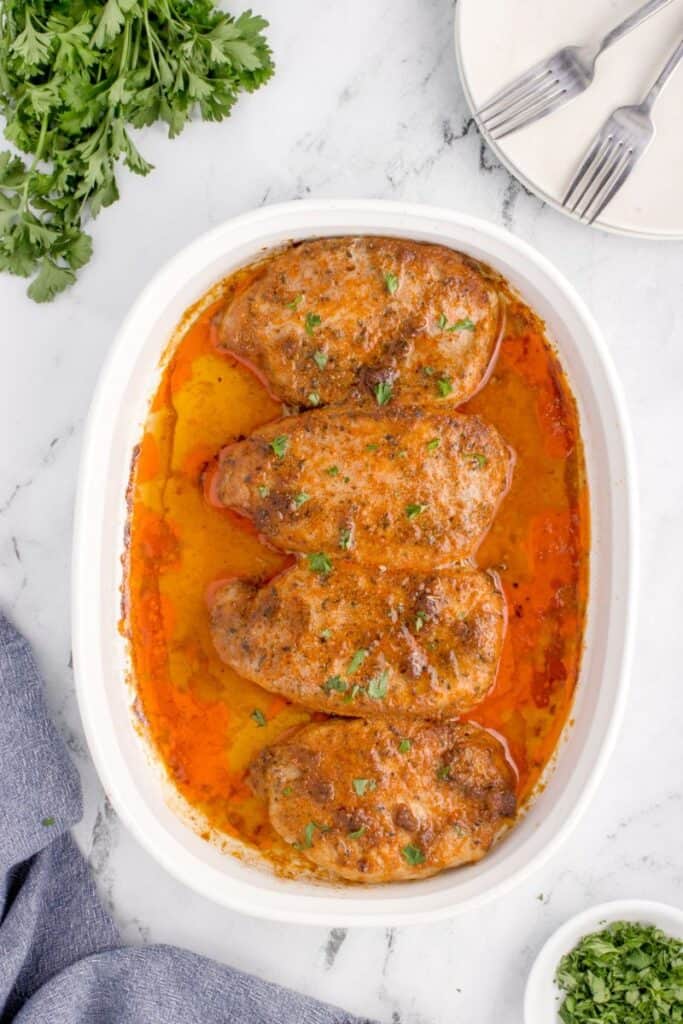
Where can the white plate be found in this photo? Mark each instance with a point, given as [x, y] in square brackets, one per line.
[131, 775]
[498, 39]
[542, 997]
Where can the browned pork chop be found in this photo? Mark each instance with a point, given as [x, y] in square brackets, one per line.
[404, 488]
[364, 642]
[374, 801]
[356, 319]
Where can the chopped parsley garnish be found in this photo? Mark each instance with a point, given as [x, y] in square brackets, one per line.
[258, 717]
[363, 786]
[310, 323]
[371, 447]
[433, 444]
[319, 562]
[391, 282]
[428, 371]
[296, 302]
[344, 538]
[413, 854]
[313, 398]
[444, 772]
[383, 392]
[301, 498]
[420, 619]
[404, 746]
[320, 358]
[358, 833]
[377, 686]
[263, 490]
[353, 693]
[459, 325]
[326, 634]
[356, 661]
[47, 822]
[444, 386]
[332, 470]
[412, 511]
[628, 973]
[336, 684]
[280, 444]
[308, 835]
[287, 791]
[478, 459]
[402, 454]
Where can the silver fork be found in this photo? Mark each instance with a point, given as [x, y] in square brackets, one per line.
[616, 149]
[554, 81]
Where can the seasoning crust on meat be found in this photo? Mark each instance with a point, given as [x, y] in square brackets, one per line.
[358, 319]
[405, 488]
[374, 801]
[363, 642]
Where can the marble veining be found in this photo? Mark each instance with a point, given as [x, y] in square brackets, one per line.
[366, 102]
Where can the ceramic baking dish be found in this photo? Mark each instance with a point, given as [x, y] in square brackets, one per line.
[127, 768]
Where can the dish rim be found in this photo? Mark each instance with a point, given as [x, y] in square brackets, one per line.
[331, 909]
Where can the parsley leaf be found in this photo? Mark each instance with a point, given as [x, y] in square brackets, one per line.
[296, 302]
[433, 444]
[413, 854]
[319, 562]
[300, 499]
[47, 822]
[391, 282]
[413, 511]
[377, 687]
[263, 490]
[357, 833]
[310, 323]
[444, 386]
[258, 717]
[345, 538]
[459, 325]
[404, 746]
[280, 444]
[320, 359]
[356, 661]
[363, 786]
[336, 684]
[332, 470]
[75, 78]
[477, 458]
[383, 392]
[313, 398]
[309, 831]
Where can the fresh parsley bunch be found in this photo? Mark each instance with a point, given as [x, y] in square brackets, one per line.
[75, 77]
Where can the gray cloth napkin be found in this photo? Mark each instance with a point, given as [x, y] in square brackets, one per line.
[60, 955]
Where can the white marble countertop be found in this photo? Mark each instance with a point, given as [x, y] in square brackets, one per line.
[366, 102]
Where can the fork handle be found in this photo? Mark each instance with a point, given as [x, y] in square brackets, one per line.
[637, 18]
[663, 77]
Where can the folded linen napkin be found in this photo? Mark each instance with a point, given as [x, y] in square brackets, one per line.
[60, 955]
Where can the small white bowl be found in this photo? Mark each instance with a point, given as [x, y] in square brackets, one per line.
[542, 997]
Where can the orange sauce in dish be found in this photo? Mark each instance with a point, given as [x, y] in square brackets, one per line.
[205, 722]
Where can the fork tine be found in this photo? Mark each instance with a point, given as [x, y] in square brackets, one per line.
[603, 173]
[590, 156]
[614, 186]
[552, 103]
[593, 172]
[531, 97]
[521, 82]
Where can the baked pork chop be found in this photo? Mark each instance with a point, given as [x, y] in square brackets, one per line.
[353, 319]
[365, 642]
[405, 488]
[377, 801]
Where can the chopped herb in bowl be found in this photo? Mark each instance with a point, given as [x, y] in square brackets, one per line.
[627, 973]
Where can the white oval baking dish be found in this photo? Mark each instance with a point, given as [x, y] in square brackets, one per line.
[114, 425]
